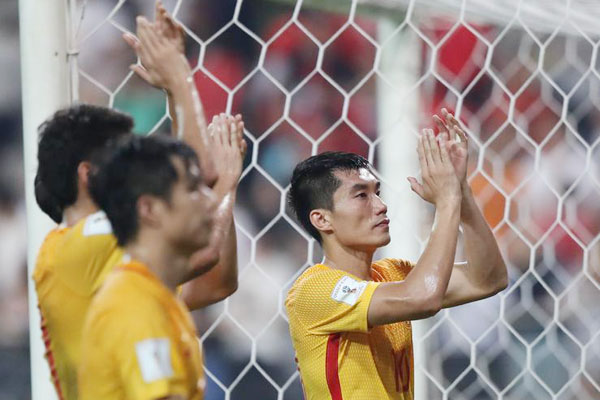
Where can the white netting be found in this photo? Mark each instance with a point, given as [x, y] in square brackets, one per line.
[525, 80]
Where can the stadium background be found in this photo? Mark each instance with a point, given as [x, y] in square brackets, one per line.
[533, 111]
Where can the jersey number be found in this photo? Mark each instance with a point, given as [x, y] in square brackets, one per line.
[402, 369]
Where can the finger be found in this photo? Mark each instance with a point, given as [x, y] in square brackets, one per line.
[213, 130]
[240, 129]
[243, 147]
[432, 154]
[455, 125]
[141, 72]
[148, 31]
[218, 129]
[171, 25]
[224, 129]
[233, 135]
[157, 6]
[155, 34]
[461, 132]
[416, 186]
[143, 32]
[444, 156]
[442, 127]
[421, 154]
[131, 40]
[435, 146]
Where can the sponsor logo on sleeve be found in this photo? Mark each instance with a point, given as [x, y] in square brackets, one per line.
[154, 359]
[348, 290]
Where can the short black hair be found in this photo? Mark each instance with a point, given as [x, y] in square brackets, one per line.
[314, 183]
[70, 136]
[133, 167]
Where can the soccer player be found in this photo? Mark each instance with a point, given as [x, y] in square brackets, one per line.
[349, 316]
[139, 340]
[76, 257]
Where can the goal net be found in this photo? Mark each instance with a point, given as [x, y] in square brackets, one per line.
[365, 76]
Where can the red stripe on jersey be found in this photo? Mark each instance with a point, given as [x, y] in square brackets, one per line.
[331, 367]
[50, 358]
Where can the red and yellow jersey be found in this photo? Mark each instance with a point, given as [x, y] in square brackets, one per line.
[338, 356]
[139, 341]
[71, 265]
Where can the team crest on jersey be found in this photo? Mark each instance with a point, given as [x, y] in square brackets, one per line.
[348, 290]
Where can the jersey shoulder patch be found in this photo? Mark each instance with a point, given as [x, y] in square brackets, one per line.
[348, 290]
[97, 224]
[154, 359]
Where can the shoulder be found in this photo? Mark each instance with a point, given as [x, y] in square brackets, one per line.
[315, 274]
[123, 299]
[90, 238]
[48, 249]
[392, 269]
[319, 282]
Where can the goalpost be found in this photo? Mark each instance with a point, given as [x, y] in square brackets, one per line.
[524, 76]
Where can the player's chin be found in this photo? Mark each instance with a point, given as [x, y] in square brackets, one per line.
[385, 239]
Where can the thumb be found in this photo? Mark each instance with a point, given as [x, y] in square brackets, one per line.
[141, 72]
[416, 186]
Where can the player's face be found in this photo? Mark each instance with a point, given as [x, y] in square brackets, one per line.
[359, 217]
[189, 218]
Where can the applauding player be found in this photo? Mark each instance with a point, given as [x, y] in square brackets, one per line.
[139, 341]
[349, 316]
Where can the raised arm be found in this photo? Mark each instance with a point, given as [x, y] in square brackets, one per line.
[422, 293]
[223, 144]
[484, 274]
[165, 66]
[228, 148]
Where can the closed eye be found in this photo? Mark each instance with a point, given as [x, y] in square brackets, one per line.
[361, 195]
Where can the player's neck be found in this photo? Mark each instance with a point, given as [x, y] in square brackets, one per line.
[82, 207]
[169, 266]
[353, 261]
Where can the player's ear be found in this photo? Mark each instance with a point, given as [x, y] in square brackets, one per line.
[83, 172]
[321, 219]
[149, 210]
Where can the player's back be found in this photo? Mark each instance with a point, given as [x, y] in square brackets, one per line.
[71, 266]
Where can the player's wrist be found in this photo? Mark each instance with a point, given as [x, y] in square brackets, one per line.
[180, 76]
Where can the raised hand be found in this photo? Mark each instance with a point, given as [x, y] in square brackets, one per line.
[458, 148]
[228, 149]
[170, 29]
[440, 183]
[159, 55]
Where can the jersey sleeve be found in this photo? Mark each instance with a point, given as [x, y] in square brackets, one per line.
[331, 301]
[393, 269]
[139, 344]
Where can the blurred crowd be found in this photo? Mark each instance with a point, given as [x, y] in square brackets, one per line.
[532, 170]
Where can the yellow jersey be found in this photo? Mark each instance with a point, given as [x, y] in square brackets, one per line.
[71, 265]
[139, 341]
[338, 356]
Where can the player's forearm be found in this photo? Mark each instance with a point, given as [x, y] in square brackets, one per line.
[187, 107]
[173, 114]
[227, 270]
[432, 272]
[189, 113]
[221, 280]
[485, 266]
